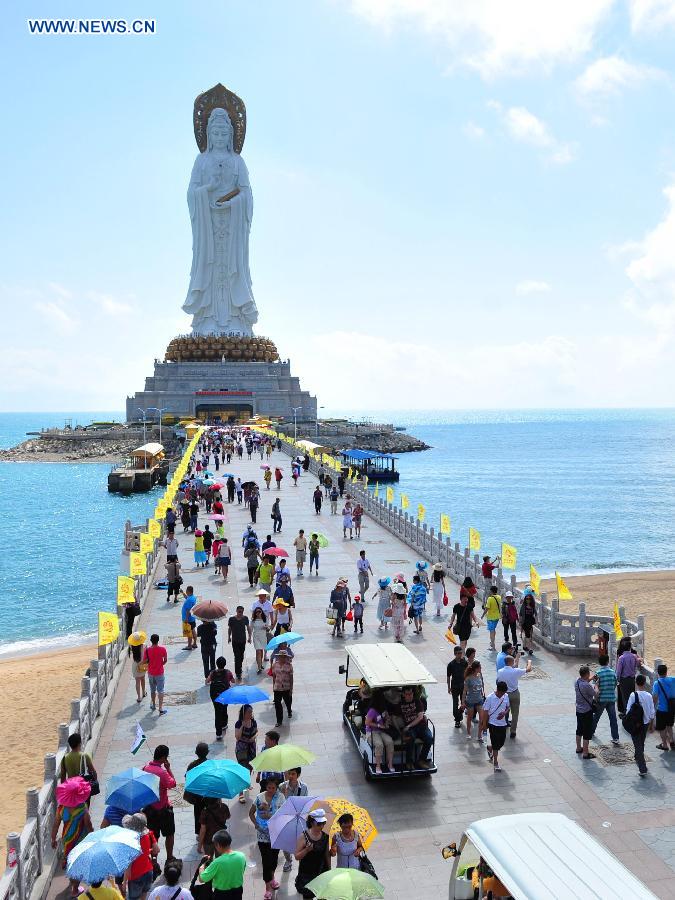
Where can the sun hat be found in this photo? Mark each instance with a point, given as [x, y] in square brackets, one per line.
[137, 638]
[357, 597]
[343, 579]
[73, 792]
[280, 602]
[198, 533]
[319, 815]
[398, 589]
[438, 567]
[262, 593]
[400, 576]
[421, 565]
[384, 582]
[509, 594]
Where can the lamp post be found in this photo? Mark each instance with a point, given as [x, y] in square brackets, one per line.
[159, 411]
[144, 413]
[295, 422]
[317, 421]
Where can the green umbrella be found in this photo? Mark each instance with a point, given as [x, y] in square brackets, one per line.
[345, 884]
[323, 540]
[282, 758]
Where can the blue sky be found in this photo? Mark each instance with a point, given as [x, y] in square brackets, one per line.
[457, 204]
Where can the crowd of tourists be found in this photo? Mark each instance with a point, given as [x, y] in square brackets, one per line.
[485, 693]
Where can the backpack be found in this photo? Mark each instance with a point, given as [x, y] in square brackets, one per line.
[511, 613]
[634, 720]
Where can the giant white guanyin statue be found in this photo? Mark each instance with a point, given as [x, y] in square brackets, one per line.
[220, 295]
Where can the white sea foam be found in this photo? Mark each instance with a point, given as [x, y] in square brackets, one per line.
[9, 649]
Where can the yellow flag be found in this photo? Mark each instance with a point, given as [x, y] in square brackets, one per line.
[137, 563]
[446, 528]
[108, 628]
[535, 579]
[405, 503]
[365, 479]
[349, 473]
[154, 528]
[618, 631]
[147, 542]
[509, 556]
[421, 512]
[564, 593]
[125, 589]
[376, 492]
[390, 495]
[474, 539]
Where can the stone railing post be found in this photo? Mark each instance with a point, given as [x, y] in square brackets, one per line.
[513, 585]
[544, 616]
[582, 640]
[63, 735]
[424, 536]
[555, 612]
[641, 631]
[75, 713]
[14, 860]
[33, 812]
[448, 554]
[467, 558]
[50, 766]
[431, 541]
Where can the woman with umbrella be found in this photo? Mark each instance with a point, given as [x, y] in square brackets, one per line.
[312, 852]
[245, 734]
[73, 816]
[262, 809]
[139, 875]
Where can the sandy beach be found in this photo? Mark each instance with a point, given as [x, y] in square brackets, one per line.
[38, 689]
[651, 594]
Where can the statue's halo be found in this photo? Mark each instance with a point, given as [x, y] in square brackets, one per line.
[219, 96]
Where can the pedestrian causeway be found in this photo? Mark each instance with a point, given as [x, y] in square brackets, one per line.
[414, 817]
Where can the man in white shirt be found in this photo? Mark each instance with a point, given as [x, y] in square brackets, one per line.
[646, 701]
[511, 675]
[282, 570]
[364, 570]
[171, 547]
[494, 713]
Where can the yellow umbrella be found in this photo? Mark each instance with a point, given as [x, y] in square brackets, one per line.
[362, 820]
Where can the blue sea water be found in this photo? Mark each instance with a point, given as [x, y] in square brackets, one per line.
[580, 491]
[60, 540]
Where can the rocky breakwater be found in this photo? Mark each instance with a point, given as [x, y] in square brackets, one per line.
[95, 450]
[380, 442]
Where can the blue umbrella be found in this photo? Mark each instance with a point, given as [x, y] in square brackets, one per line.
[218, 778]
[240, 695]
[290, 637]
[132, 789]
[103, 853]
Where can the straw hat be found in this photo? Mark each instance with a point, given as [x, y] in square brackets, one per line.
[398, 589]
[437, 567]
[262, 593]
[137, 638]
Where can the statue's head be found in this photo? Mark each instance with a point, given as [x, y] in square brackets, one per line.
[219, 131]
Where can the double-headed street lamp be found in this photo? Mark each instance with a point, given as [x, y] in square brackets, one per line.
[159, 411]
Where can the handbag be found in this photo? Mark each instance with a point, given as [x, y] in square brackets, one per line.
[142, 667]
[445, 598]
[389, 612]
[366, 866]
[201, 890]
[91, 779]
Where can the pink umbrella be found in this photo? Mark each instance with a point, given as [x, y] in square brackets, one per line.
[73, 792]
[217, 517]
[208, 610]
[264, 467]
[276, 551]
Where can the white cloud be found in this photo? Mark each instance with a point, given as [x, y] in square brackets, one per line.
[652, 270]
[473, 131]
[650, 15]
[60, 290]
[611, 75]
[533, 287]
[54, 313]
[495, 36]
[109, 304]
[526, 128]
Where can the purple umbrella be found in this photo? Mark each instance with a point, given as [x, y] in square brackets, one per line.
[289, 821]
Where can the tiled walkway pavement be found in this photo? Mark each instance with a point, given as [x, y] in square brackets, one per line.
[635, 818]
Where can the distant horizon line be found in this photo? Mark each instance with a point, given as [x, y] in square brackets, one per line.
[397, 410]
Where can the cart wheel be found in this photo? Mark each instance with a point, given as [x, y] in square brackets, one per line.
[366, 768]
